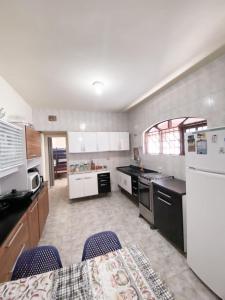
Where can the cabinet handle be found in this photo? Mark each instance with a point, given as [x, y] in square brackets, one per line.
[164, 201]
[163, 194]
[15, 235]
[88, 177]
[32, 209]
[78, 179]
[33, 155]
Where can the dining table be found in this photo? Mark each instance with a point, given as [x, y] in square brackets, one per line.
[123, 274]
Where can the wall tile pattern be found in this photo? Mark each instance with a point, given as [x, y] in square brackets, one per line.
[200, 94]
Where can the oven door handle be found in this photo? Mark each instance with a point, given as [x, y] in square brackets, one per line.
[142, 186]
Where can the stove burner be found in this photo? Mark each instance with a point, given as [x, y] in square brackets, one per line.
[148, 177]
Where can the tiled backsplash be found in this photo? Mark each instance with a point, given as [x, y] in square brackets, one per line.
[200, 94]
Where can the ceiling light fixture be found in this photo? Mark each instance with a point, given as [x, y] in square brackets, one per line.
[99, 86]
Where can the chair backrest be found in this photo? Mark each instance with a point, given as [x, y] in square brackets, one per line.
[100, 244]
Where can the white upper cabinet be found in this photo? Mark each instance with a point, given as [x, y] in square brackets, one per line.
[119, 141]
[90, 141]
[114, 141]
[124, 141]
[102, 141]
[75, 142]
[98, 141]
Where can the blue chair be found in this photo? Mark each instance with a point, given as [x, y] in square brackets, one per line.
[36, 261]
[100, 244]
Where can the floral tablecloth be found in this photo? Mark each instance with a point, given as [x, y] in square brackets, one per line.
[119, 275]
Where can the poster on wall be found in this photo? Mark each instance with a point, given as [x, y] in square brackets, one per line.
[201, 143]
[191, 143]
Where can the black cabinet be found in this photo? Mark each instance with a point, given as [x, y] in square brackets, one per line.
[168, 215]
[104, 185]
[134, 182]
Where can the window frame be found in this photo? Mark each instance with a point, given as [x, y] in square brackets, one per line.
[181, 128]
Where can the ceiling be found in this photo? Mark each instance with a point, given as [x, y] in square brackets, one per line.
[51, 51]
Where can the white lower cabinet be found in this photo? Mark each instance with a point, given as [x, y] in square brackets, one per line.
[124, 182]
[90, 185]
[82, 185]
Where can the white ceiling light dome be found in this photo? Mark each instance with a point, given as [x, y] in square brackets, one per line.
[98, 86]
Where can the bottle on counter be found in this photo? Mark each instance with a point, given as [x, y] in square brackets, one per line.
[92, 165]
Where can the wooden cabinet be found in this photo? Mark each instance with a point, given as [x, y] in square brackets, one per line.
[33, 222]
[43, 208]
[25, 234]
[16, 242]
[168, 215]
[33, 143]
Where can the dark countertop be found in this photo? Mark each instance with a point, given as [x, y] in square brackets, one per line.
[9, 220]
[133, 170]
[175, 185]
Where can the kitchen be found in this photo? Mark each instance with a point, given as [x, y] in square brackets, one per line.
[120, 161]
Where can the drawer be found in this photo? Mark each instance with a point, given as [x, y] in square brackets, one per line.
[17, 241]
[104, 188]
[103, 175]
[135, 180]
[167, 194]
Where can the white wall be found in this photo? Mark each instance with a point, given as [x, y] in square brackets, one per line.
[70, 120]
[200, 94]
[15, 107]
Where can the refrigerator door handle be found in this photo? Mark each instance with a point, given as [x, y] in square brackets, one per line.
[206, 171]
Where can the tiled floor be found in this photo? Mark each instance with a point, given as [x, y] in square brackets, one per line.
[71, 222]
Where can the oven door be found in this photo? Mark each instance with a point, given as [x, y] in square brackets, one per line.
[144, 195]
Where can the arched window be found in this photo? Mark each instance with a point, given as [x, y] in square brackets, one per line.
[167, 137]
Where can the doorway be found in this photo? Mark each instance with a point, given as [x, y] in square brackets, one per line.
[56, 157]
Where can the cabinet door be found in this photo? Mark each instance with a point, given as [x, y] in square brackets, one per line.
[119, 178]
[168, 215]
[90, 184]
[42, 208]
[76, 186]
[104, 185]
[102, 141]
[12, 247]
[124, 141]
[75, 142]
[90, 141]
[114, 141]
[126, 182]
[33, 143]
[33, 224]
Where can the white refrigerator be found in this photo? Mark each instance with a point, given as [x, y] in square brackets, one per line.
[205, 183]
